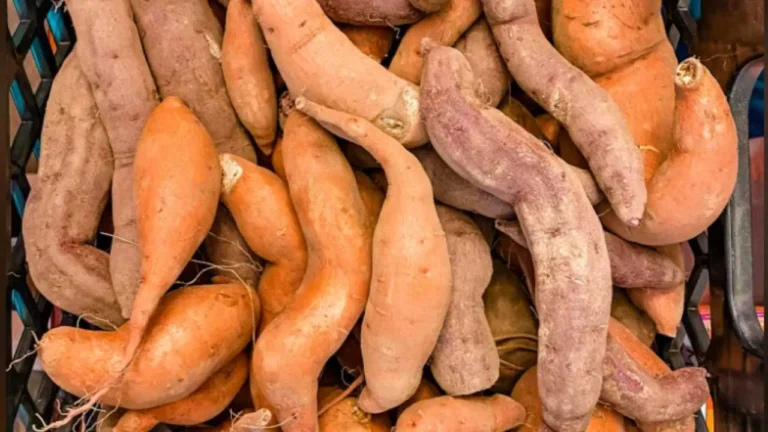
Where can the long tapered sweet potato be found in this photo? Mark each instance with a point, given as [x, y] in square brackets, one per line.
[592, 119]
[479, 47]
[496, 413]
[195, 332]
[317, 61]
[705, 141]
[372, 41]
[526, 392]
[402, 322]
[465, 359]
[632, 266]
[371, 12]
[177, 181]
[63, 210]
[112, 59]
[665, 307]
[261, 205]
[247, 76]
[567, 244]
[444, 27]
[335, 287]
[202, 405]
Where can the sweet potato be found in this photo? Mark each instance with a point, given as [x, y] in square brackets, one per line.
[111, 57]
[63, 210]
[400, 326]
[632, 266]
[632, 317]
[203, 404]
[479, 47]
[520, 115]
[195, 332]
[371, 12]
[372, 41]
[373, 198]
[247, 76]
[444, 26]
[665, 307]
[510, 314]
[319, 62]
[426, 390]
[567, 245]
[549, 127]
[465, 360]
[640, 386]
[429, 5]
[705, 141]
[335, 287]
[496, 413]
[225, 243]
[177, 181]
[592, 119]
[262, 208]
[277, 160]
[527, 394]
[346, 416]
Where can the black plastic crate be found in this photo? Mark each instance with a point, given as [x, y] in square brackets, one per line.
[723, 257]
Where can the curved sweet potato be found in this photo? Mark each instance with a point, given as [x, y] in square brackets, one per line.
[371, 12]
[195, 332]
[705, 141]
[317, 61]
[202, 405]
[444, 26]
[567, 244]
[247, 76]
[665, 307]
[262, 208]
[371, 40]
[465, 360]
[111, 57]
[585, 110]
[400, 328]
[479, 47]
[496, 413]
[63, 210]
[335, 287]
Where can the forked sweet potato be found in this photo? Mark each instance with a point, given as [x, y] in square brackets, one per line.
[444, 27]
[401, 324]
[371, 12]
[195, 332]
[465, 360]
[63, 210]
[479, 47]
[317, 61]
[112, 59]
[203, 404]
[567, 244]
[292, 350]
[261, 206]
[592, 119]
[373, 41]
[496, 413]
[248, 78]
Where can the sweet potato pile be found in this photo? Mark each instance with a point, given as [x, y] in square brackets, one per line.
[394, 243]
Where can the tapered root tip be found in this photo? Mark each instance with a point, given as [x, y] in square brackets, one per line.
[231, 172]
[427, 44]
[689, 73]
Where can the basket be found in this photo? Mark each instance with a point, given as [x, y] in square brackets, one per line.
[44, 33]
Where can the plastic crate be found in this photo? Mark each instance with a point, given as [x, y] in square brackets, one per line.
[722, 257]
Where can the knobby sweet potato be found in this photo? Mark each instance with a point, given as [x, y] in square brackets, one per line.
[372, 41]
[444, 27]
[465, 360]
[496, 413]
[112, 59]
[401, 324]
[346, 416]
[429, 5]
[63, 210]
[665, 307]
[705, 141]
[592, 119]
[261, 206]
[203, 404]
[319, 62]
[292, 350]
[195, 332]
[479, 47]
[248, 78]
[567, 245]
[371, 12]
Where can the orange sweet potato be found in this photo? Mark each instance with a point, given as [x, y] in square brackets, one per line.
[261, 206]
[373, 198]
[346, 416]
[277, 160]
[479, 47]
[319, 62]
[429, 5]
[202, 405]
[332, 295]
[633, 318]
[426, 390]
[373, 41]
[496, 413]
[549, 127]
[400, 329]
[195, 332]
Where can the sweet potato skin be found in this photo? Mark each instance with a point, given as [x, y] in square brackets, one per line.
[64, 207]
[429, 5]
[371, 40]
[479, 47]
[665, 307]
[496, 413]
[465, 359]
[371, 12]
[195, 332]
